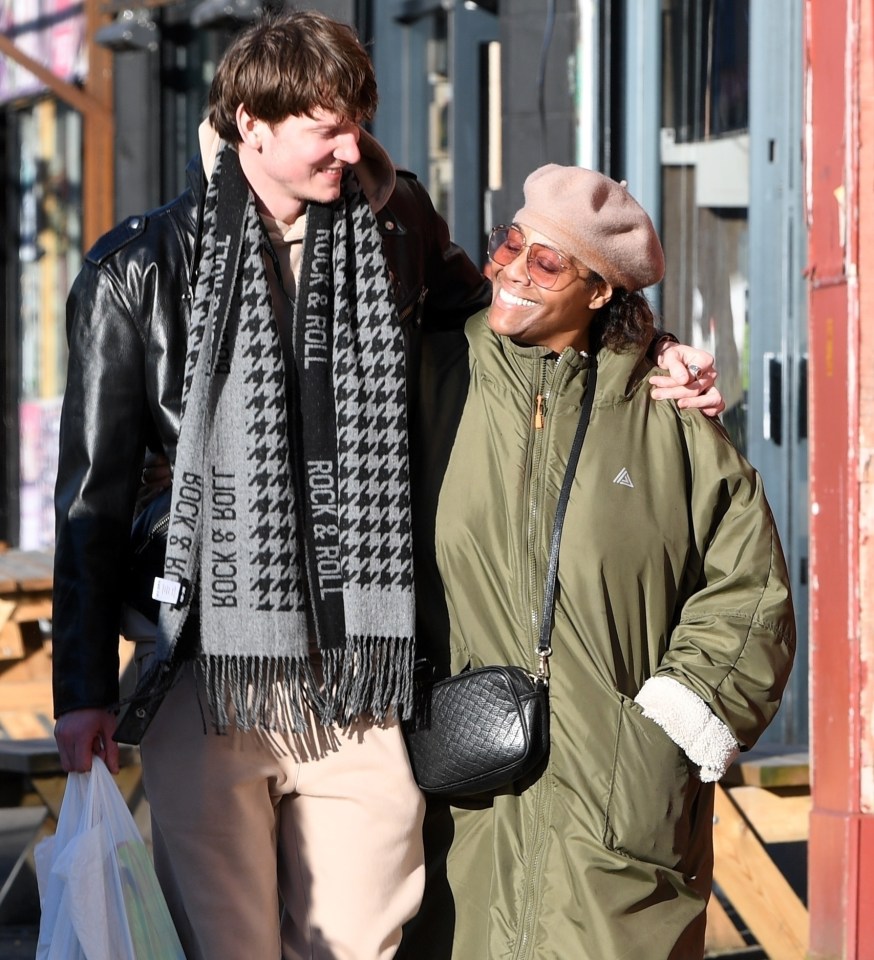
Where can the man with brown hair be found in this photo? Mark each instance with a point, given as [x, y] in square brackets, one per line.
[254, 331]
[259, 331]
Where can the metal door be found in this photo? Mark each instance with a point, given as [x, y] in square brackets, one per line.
[433, 61]
[777, 416]
[729, 203]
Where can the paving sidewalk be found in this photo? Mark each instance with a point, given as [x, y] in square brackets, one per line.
[19, 911]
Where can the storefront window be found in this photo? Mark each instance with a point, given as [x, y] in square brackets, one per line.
[706, 62]
[49, 256]
[440, 170]
[705, 188]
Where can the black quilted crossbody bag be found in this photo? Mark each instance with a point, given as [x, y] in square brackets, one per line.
[480, 730]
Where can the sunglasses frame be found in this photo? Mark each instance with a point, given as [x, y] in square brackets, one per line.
[568, 268]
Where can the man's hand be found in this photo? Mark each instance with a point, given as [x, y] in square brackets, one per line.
[82, 733]
[691, 379]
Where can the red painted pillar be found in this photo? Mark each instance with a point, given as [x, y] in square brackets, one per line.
[839, 180]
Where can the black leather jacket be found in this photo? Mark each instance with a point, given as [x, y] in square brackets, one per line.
[127, 318]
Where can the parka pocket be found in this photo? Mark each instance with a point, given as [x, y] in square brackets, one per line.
[648, 816]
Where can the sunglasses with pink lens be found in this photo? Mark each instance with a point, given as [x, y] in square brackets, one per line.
[546, 268]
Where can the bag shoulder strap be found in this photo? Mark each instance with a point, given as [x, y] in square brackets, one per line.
[544, 650]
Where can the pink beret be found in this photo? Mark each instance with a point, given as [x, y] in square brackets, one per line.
[597, 221]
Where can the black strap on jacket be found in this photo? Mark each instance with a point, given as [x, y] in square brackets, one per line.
[544, 650]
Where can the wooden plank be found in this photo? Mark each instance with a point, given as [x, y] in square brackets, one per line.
[777, 816]
[26, 724]
[755, 887]
[11, 640]
[26, 570]
[763, 768]
[36, 665]
[7, 608]
[39, 758]
[50, 790]
[721, 934]
[26, 695]
[32, 756]
[33, 606]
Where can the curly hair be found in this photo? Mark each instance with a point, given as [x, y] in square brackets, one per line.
[292, 64]
[625, 322]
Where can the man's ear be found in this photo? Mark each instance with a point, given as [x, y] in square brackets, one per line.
[249, 128]
[602, 294]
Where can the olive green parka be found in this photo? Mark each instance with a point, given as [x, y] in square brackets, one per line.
[670, 569]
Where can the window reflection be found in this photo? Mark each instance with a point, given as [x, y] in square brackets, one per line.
[705, 184]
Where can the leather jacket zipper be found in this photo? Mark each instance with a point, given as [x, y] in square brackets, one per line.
[161, 526]
[415, 304]
[156, 531]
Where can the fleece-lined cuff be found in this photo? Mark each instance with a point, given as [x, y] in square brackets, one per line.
[689, 722]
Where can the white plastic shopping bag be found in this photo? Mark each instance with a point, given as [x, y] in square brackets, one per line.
[99, 895]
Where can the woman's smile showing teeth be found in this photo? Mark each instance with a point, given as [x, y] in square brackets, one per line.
[509, 298]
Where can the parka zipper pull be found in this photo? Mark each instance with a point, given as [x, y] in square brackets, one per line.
[538, 413]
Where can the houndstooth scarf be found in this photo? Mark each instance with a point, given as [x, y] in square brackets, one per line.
[290, 505]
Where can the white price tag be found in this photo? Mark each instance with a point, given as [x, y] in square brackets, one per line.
[167, 591]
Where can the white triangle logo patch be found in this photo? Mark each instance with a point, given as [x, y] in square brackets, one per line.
[623, 478]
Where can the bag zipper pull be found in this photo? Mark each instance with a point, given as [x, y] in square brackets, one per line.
[538, 413]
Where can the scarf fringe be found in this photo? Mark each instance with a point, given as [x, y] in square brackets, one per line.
[370, 675]
[265, 693]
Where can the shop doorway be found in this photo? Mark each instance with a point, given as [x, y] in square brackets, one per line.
[734, 233]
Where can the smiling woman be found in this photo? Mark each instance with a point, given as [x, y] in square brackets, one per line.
[673, 632]
[529, 311]
[587, 243]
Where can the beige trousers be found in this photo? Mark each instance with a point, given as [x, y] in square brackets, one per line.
[269, 846]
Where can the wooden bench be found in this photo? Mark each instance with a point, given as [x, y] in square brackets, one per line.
[38, 766]
[763, 800]
[25, 596]
[30, 768]
[25, 644]
[37, 762]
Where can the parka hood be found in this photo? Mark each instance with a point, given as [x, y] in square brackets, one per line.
[623, 372]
